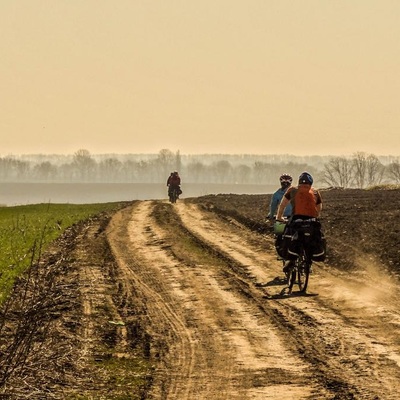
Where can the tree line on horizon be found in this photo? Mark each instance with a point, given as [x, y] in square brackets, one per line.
[357, 171]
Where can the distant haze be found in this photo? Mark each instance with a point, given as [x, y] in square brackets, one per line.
[227, 76]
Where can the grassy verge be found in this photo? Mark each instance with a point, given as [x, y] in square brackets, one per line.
[25, 231]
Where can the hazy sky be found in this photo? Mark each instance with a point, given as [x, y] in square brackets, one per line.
[200, 76]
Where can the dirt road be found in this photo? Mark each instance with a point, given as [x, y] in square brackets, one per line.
[219, 328]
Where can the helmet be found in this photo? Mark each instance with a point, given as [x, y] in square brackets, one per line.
[286, 181]
[285, 178]
[306, 178]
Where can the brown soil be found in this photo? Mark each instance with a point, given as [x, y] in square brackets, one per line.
[182, 301]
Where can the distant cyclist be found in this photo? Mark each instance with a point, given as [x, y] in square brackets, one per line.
[286, 181]
[306, 204]
[174, 181]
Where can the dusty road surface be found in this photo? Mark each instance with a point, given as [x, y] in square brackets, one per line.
[218, 327]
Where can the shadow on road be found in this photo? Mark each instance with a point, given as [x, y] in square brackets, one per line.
[283, 296]
[277, 281]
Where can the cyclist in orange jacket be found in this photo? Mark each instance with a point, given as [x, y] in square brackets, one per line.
[306, 203]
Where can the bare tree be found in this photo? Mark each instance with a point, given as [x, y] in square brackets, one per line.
[45, 170]
[165, 163]
[5, 168]
[110, 169]
[222, 171]
[374, 171]
[84, 164]
[13, 169]
[178, 161]
[144, 171]
[338, 172]
[359, 168]
[196, 171]
[261, 170]
[66, 172]
[394, 171]
[242, 173]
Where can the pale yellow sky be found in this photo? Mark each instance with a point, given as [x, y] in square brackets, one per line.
[207, 76]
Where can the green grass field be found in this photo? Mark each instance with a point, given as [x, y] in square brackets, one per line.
[27, 230]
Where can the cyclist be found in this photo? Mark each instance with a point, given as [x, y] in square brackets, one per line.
[306, 204]
[174, 181]
[286, 181]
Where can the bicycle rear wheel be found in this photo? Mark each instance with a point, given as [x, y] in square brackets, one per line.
[306, 277]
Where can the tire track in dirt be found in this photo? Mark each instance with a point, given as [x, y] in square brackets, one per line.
[347, 333]
[216, 343]
[139, 276]
[95, 293]
[170, 293]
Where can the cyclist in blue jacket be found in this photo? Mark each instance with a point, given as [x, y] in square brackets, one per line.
[286, 181]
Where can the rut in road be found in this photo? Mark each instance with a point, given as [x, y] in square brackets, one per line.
[216, 336]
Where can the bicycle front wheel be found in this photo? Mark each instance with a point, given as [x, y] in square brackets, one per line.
[291, 279]
[303, 274]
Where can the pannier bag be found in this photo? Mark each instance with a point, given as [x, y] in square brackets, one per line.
[285, 242]
[310, 233]
[318, 252]
[279, 246]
